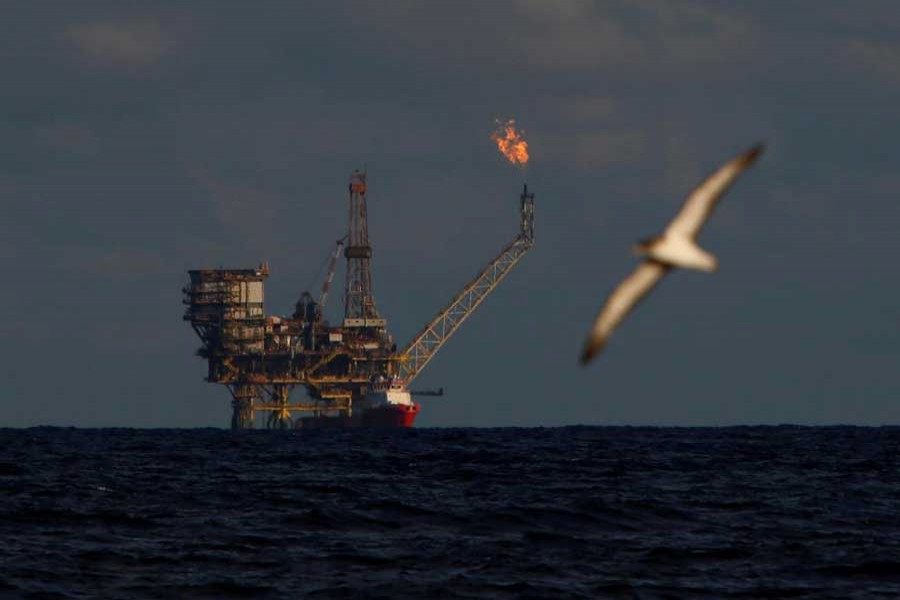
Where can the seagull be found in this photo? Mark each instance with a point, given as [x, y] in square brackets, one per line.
[676, 247]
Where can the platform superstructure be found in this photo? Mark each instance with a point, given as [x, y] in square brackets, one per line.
[353, 374]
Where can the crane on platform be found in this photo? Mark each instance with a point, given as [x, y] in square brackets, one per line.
[427, 342]
[329, 278]
[311, 310]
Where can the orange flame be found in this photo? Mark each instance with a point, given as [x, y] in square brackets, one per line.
[510, 142]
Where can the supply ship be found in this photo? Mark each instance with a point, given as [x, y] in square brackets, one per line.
[387, 404]
[352, 374]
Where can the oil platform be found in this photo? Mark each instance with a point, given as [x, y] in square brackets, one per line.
[353, 373]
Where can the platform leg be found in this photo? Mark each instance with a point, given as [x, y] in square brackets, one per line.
[243, 396]
[242, 413]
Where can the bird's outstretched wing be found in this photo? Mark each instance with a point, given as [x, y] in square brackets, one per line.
[623, 299]
[702, 200]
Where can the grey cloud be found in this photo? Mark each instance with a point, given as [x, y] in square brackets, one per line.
[131, 42]
[692, 35]
[582, 40]
[69, 138]
[582, 109]
[598, 148]
[245, 211]
[121, 263]
[880, 58]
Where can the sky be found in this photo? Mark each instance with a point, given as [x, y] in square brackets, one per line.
[142, 139]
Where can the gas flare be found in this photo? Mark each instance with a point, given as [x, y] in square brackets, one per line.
[510, 142]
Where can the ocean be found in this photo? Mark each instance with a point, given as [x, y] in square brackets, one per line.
[572, 512]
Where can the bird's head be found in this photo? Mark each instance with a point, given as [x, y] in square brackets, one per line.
[642, 247]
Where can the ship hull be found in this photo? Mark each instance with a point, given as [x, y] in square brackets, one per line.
[380, 417]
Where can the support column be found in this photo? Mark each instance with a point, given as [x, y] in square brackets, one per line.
[242, 406]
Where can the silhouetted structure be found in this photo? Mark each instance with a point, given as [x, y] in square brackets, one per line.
[353, 374]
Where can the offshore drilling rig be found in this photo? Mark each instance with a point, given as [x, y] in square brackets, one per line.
[353, 373]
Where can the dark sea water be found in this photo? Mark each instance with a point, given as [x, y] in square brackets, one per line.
[581, 512]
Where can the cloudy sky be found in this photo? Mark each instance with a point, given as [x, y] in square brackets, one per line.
[141, 139]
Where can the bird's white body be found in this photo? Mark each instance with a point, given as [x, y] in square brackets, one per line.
[679, 251]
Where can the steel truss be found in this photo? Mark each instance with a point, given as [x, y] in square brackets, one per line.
[425, 345]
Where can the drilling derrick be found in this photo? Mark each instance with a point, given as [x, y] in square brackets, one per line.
[353, 374]
[359, 304]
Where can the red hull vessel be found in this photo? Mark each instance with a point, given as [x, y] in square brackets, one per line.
[387, 417]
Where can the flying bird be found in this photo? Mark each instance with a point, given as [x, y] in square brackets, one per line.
[676, 247]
